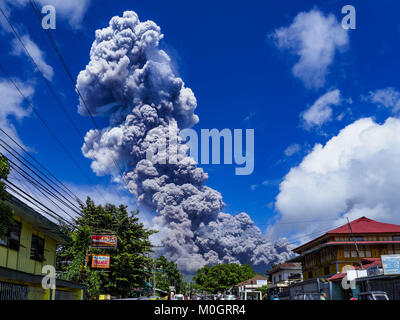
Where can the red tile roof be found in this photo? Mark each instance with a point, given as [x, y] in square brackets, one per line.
[362, 225]
[365, 225]
[337, 277]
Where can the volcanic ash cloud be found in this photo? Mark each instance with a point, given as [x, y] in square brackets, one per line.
[130, 80]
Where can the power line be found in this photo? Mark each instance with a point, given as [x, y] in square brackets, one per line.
[20, 161]
[48, 84]
[54, 44]
[61, 58]
[66, 189]
[50, 87]
[296, 239]
[42, 193]
[46, 125]
[31, 199]
[38, 185]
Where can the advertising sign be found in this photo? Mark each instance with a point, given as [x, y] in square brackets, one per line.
[373, 271]
[100, 261]
[104, 241]
[391, 263]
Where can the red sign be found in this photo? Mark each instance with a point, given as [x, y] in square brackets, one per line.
[100, 261]
[104, 241]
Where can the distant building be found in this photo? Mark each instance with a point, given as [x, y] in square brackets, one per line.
[282, 276]
[286, 272]
[31, 244]
[329, 253]
[247, 290]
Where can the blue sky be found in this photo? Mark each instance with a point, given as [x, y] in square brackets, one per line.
[225, 53]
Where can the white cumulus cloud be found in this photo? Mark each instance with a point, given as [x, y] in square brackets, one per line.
[13, 105]
[356, 173]
[321, 111]
[388, 97]
[35, 52]
[292, 149]
[315, 39]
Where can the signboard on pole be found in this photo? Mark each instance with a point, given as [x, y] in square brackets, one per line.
[391, 264]
[104, 241]
[373, 271]
[100, 261]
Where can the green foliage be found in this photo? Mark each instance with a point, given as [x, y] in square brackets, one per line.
[168, 275]
[6, 213]
[221, 277]
[263, 289]
[128, 261]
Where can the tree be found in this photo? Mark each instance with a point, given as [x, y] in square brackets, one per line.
[221, 277]
[264, 290]
[168, 275]
[6, 213]
[128, 260]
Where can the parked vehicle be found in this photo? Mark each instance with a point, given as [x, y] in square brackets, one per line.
[307, 296]
[179, 297]
[230, 297]
[373, 295]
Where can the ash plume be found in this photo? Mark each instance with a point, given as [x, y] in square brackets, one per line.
[130, 80]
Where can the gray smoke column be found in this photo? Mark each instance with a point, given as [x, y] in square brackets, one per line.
[130, 80]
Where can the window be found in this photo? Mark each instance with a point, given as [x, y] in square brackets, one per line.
[357, 238]
[361, 250]
[12, 240]
[326, 270]
[37, 248]
[396, 238]
[310, 274]
[368, 251]
[346, 252]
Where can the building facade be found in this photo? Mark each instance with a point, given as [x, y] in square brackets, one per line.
[281, 276]
[30, 245]
[347, 245]
[247, 290]
[285, 273]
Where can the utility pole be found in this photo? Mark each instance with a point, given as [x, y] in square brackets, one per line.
[358, 253]
[154, 277]
[355, 242]
[154, 270]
